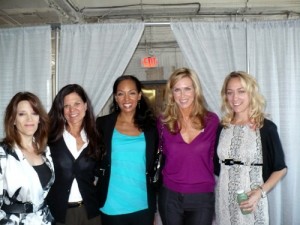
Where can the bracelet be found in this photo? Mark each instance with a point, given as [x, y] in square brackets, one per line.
[263, 193]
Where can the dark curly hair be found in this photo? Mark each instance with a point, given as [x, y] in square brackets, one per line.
[144, 116]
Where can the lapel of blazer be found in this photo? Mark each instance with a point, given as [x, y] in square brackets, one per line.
[148, 141]
[151, 138]
[109, 129]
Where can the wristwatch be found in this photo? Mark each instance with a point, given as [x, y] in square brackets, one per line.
[263, 193]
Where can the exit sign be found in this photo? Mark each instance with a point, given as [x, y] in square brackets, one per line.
[149, 62]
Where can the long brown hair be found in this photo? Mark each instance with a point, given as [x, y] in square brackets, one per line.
[12, 134]
[58, 121]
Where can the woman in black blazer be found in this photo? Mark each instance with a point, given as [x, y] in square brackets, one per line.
[76, 149]
[131, 139]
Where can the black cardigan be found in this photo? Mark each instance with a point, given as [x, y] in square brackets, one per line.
[273, 155]
[66, 169]
[105, 126]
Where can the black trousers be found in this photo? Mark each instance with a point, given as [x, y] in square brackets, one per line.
[185, 209]
[143, 217]
[78, 216]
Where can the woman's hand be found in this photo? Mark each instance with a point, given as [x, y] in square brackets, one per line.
[253, 198]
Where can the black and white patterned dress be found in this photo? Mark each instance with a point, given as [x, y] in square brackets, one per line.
[240, 143]
[20, 182]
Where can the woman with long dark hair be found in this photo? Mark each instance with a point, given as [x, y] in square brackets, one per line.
[76, 148]
[130, 137]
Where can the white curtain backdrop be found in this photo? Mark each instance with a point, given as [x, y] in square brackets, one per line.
[212, 49]
[25, 62]
[271, 52]
[94, 55]
[274, 57]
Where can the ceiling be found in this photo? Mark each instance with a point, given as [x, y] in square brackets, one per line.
[14, 13]
[156, 13]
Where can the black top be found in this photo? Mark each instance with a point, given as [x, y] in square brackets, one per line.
[44, 173]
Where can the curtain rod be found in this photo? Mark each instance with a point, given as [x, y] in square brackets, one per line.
[157, 23]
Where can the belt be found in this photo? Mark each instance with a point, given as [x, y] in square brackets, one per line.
[26, 207]
[75, 204]
[230, 162]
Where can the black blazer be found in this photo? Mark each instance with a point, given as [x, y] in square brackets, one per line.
[105, 126]
[66, 169]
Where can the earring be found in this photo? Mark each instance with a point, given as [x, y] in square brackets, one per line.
[117, 107]
[139, 104]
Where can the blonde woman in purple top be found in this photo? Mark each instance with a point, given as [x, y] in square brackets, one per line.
[189, 133]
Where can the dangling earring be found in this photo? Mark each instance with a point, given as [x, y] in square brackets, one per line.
[139, 104]
[117, 107]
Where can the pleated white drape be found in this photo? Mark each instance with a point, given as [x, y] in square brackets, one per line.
[274, 57]
[212, 49]
[270, 51]
[25, 62]
[94, 55]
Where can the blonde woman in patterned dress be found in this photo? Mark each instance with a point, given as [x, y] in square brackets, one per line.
[249, 154]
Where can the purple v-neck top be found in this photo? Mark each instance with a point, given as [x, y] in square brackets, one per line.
[189, 167]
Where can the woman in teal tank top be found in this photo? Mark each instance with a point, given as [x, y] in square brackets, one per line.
[131, 139]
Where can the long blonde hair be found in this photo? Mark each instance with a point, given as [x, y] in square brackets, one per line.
[257, 101]
[171, 115]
